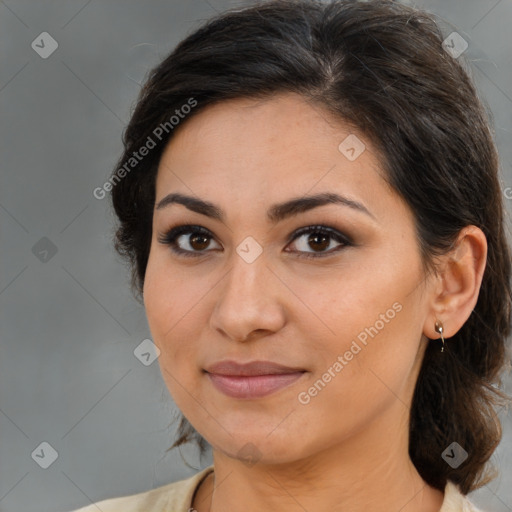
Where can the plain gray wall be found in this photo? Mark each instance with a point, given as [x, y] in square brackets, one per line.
[69, 325]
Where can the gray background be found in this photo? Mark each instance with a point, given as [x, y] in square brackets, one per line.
[69, 326]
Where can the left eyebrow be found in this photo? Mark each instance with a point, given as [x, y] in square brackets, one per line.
[276, 212]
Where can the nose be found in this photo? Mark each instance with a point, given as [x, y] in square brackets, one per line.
[249, 302]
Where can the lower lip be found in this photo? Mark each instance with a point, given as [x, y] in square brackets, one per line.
[255, 386]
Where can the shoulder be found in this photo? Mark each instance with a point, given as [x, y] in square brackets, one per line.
[455, 501]
[173, 497]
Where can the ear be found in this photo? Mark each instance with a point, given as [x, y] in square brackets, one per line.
[455, 289]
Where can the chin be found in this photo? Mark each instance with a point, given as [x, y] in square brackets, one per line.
[252, 446]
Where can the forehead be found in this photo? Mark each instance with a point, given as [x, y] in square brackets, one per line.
[271, 148]
[282, 120]
[285, 129]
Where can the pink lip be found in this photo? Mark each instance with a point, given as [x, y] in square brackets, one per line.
[251, 380]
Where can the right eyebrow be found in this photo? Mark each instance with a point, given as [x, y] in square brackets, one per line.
[276, 212]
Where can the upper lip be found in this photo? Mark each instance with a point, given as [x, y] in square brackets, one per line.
[252, 368]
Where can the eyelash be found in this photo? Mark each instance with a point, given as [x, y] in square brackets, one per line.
[169, 238]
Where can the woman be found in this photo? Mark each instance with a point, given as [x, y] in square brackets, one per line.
[309, 200]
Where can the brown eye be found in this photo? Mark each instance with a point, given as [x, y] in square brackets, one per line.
[198, 242]
[317, 239]
[187, 240]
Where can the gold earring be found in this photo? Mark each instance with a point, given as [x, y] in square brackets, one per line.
[439, 328]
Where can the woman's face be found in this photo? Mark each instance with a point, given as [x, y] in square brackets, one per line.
[343, 307]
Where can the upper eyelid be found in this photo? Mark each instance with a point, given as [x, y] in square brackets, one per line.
[187, 228]
[294, 235]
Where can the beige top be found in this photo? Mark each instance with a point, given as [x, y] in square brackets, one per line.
[177, 497]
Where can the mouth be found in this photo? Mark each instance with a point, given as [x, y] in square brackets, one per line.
[251, 380]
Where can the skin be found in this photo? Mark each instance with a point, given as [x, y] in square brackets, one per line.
[347, 449]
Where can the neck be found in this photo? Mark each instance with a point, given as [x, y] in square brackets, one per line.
[368, 471]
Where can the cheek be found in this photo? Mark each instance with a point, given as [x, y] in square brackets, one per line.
[173, 304]
[169, 294]
[166, 303]
[346, 308]
[383, 370]
[374, 325]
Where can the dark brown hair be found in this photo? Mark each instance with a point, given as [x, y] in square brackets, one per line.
[380, 67]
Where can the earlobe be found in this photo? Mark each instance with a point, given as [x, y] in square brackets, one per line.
[456, 289]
